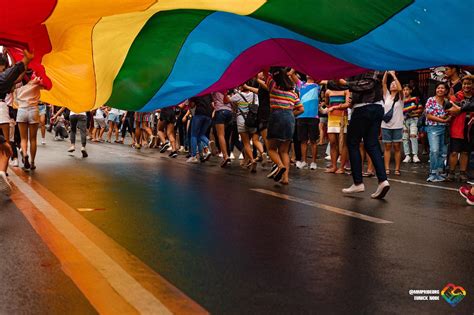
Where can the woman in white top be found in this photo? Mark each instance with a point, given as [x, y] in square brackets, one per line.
[392, 131]
[27, 97]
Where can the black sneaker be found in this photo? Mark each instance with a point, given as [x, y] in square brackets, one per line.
[173, 154]
[164, 147]
[279, 174]
[273, 171]
[26, 163]
[84, 153]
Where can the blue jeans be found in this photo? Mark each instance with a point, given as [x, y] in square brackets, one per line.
[436, 136]
[365, 124]
[199, 127]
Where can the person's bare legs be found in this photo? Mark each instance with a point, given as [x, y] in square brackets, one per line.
[171, 136]
[43, 126]
[387, 155]
[33, 134]
[220, 128]
[247, 148]
[6, 131]
[111, 128]
[116, 130]
[283, 150]
[463, 161]
[304, 151]
[334, 147]
[397, 146]
[161, 131]
[314, 151]
[273, 152]
[23, 127]
[5, 154]
[344, 153]
[256, 143]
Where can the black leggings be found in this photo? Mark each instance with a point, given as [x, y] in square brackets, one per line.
[127, 124]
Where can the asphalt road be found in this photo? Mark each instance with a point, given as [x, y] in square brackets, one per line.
[237, 243]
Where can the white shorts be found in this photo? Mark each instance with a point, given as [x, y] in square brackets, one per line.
[28, 115]
[242, 128]
[99, 122]
[4, 116]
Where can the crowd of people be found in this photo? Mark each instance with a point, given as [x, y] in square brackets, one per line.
[279, 117]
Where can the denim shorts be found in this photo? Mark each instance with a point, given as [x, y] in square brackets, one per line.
[28, 115]
[281, 125]
[392, 135]
[223, 117]
[114, 118]
[42, 110]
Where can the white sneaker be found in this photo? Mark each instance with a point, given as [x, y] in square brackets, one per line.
[221, 155]
[354, 189]
[71, 149]
[181, 149]
[303, 165]
[193, 160]
[382, 190]
[232, 156]
[313, 166]
[328, 158]
[298, 164]
[241, 156]
[15, 163]
[416, 159]
[43, 141]
[407, 159]
[5, 187]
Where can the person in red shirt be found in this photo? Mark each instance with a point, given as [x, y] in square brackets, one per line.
[459, 139]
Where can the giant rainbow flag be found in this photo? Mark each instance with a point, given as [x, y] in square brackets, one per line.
[148, 54]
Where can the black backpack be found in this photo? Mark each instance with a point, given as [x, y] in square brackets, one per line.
[250, 118]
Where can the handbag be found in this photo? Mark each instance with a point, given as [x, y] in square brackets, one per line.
[389, 115]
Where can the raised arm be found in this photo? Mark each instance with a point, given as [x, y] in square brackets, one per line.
[384, 83]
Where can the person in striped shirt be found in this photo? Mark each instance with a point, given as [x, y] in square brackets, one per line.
[285, 105]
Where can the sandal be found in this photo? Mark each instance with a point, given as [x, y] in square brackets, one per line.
[368, 174]
[397, 172]
[225, 162]
[387, 172]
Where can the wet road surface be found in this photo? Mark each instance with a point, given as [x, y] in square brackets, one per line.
[31, 278]
[225, 240]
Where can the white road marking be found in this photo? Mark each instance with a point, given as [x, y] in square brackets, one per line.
[323, 206]
[131, 291]
[419, 184]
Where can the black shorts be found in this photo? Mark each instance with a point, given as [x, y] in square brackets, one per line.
[262, 119]
[459, 145]
[307, 129]
[168, 115]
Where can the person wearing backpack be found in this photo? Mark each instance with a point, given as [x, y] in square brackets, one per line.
[246, 103]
